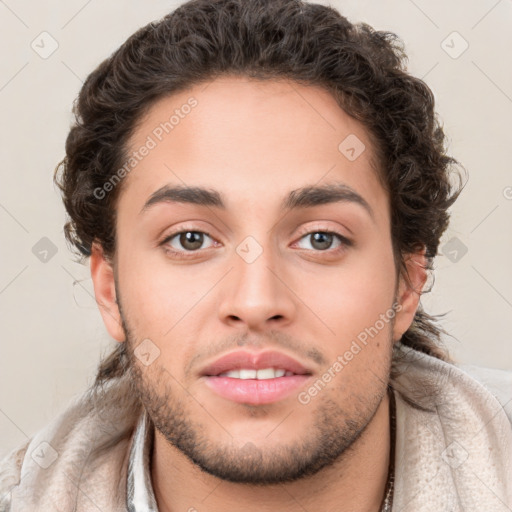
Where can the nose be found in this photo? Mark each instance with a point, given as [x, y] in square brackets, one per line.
[257, 294]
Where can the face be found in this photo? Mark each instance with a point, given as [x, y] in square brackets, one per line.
[284, 261]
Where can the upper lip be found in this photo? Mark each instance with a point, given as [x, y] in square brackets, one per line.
[254, 361]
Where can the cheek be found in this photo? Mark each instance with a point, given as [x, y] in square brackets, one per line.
[150, 295]
[159, 297]
[363, 282]
[351, 299]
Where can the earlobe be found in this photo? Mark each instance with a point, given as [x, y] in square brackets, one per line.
[409, 292]
[102, 275]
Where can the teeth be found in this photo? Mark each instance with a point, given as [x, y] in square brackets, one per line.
[248, 374]
[235, 374]
[266, 373]
[263, 374]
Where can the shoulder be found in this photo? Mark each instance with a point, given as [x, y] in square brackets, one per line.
[454, 427]
[497, 382]
[431, 382]
[87, 442]
[10, 473]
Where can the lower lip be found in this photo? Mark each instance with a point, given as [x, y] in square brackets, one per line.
[253, 391]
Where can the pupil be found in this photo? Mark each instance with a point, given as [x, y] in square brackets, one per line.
[191, 240]
[322, 240]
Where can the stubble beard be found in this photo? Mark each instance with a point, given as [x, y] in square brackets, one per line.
[170, 408]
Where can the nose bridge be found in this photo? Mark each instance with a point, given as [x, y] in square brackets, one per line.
[255, 293]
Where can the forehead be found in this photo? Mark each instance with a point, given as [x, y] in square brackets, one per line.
[246, 136]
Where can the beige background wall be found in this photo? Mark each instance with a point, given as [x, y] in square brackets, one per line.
[51, 331]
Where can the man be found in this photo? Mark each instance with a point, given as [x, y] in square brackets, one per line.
[260, 188]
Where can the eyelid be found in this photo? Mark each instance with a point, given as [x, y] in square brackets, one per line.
[323, 229]
[196, 225]
[344, 241]
[185, 229]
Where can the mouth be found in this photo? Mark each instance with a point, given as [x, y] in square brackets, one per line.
[262, 374]
[255, 378]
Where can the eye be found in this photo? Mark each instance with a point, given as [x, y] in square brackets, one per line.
[324, 240]
[186, 241]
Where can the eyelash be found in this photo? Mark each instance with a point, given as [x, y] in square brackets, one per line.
[344, 242]
[181, 254]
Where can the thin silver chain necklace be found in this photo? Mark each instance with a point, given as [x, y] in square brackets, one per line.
[387, 502]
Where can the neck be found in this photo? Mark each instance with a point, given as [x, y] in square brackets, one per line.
[355, 482]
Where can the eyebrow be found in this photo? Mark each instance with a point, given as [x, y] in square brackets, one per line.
[315, 195]
[304, 197]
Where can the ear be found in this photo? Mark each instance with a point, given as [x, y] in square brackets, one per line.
[102, 275]
[409, 291]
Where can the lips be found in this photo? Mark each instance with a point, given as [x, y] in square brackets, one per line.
[244, 360]
[255, 378]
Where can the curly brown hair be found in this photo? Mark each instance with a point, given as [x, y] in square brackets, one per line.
[364, 70]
